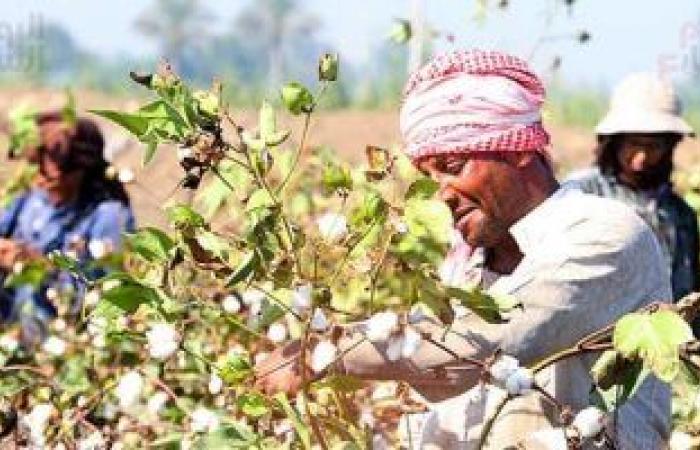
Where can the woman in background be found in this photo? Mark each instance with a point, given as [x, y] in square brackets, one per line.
[74, 206]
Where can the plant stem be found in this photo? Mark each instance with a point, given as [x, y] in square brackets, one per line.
[570, 352]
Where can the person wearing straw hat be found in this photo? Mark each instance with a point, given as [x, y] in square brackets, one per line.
[634, 160]
[471, 121]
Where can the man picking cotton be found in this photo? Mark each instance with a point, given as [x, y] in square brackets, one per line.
[471, 121]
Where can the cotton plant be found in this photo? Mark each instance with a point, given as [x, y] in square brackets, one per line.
[305, 250]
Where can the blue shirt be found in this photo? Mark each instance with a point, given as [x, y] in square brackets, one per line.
[36, 222]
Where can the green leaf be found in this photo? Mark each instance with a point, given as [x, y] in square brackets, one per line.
[341, 383]
[128, 297]
[258, 199]
[228, 436]
[617, 379]
[24, 131]
[654, 338]
[373, 207]
[422, 188]
[63, 261]
[300, 427]
[245, 268]
[252, 404]
[68, 112]
[297, 98]
[151, 244]
[184, 217]
[236, 369]
[213, 243]
[32, 274]
[487, 306]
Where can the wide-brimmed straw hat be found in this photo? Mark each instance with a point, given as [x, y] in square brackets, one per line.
[644, 103]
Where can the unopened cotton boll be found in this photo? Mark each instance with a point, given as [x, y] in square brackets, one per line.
[381, 325]
[519, 382]
[215, 384]
[163, 340]
[128, 389]
[333, 227]
[323, 355]
[203, 420]
[54, 345]
[589, 422]
[277, 333]
[319, 322]
[503, 367]
[156, 402]
[231, 304]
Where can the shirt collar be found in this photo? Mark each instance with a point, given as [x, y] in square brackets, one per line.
[534, 227]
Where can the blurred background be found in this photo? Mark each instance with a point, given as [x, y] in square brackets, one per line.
[579, 47]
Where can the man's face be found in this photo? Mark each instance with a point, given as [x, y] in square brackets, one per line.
[480, 191]
[640, 156]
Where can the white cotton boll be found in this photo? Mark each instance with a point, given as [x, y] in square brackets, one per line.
[59, 325]
[126, 175]
[215, 384]
[97, 325]
[503, 367]
[203, 420]
[111, 284]
[394, 347]
[333, 227]
[231, 304]
[319, 322]
[163, 340]
[184, 153]
[379, 442]
[324, 354]
[411, 342]
[51, 293]
[156, 402]
[94, 441]
[277, 333]
[99, 248]
[260, 357]
[519, 382]
[36, 422]
[99, 341]
[252, 296]
[8, 343]
[553, 439]
[301, 298]
[681, 441]
[92, 297]
[589, 422]
[129, 389]
[381, 325]
[54, 345]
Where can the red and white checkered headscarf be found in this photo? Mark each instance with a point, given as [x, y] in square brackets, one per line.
[472, 101]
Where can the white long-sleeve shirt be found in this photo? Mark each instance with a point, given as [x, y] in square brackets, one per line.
[587, 261]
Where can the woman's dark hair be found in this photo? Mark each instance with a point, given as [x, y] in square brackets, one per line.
[609, 145]
[80, 146]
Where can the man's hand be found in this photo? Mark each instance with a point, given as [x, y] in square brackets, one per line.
[281, 371]
[10, 252]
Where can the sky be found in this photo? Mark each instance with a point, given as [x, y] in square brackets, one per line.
[627, 35]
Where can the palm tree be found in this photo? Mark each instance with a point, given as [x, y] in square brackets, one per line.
[177, 25]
